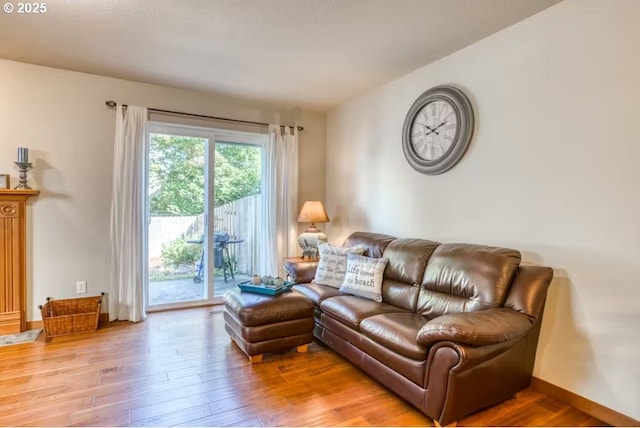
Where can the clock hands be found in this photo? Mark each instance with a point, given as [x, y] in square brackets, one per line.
[434, 130]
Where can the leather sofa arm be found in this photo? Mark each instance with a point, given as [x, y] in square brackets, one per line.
[300, 271]
[475, 328]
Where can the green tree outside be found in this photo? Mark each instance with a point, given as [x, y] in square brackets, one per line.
[176, 174]
[238, 172]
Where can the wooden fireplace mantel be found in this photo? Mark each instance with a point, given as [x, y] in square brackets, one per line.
[13, 255]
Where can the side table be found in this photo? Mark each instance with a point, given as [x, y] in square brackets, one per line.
[299, 270]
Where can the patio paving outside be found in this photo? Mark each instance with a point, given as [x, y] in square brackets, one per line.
[185, 290]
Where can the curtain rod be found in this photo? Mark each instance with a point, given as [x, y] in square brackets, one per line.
[112, 104]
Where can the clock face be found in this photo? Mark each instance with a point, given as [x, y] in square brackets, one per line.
[437, 130]
[434, 130]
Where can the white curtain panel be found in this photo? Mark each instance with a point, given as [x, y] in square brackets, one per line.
[127, 249]
[277, 237]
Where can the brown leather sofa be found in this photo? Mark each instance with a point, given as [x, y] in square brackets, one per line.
[456, 332]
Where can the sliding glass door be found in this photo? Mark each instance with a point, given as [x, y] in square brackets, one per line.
[177, 177]
[238, 183]
[203, 195]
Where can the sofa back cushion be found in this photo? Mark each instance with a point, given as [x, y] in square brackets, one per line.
[466, 278]
[374, 244]
[529, 290]
[405, 270]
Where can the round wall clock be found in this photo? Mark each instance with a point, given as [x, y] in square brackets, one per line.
[437, 130]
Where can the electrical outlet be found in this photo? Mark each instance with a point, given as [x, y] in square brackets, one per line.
[81, 287]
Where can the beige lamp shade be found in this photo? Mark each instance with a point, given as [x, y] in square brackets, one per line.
[312, 212]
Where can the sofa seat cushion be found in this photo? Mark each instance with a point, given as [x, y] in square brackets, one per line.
[351, 310]
[317, 292]
[397, 331]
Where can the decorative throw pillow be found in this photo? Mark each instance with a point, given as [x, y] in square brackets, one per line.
[333, 264]
[364, 277]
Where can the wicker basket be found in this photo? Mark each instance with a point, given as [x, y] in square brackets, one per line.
[69, 316]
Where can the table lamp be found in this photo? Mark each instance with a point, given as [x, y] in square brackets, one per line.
[312, 212]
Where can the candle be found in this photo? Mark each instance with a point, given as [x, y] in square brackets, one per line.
[23, 155]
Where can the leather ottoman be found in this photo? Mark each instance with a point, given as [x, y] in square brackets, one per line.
[260, 323]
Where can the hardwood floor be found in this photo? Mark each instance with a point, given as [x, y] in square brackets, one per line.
[180, 369]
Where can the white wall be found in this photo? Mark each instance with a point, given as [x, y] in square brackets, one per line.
[61, 116]
[553, 170]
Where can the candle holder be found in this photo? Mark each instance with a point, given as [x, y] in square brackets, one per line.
[23, 167]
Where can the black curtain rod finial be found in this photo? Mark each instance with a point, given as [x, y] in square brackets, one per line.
[113, 104]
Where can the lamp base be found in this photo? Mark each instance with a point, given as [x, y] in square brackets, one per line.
[309, 241]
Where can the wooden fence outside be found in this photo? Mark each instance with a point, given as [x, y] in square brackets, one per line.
[237, 218]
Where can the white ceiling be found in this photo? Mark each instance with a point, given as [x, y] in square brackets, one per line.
[302, 53]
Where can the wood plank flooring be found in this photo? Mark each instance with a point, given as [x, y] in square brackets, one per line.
[179, 368]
